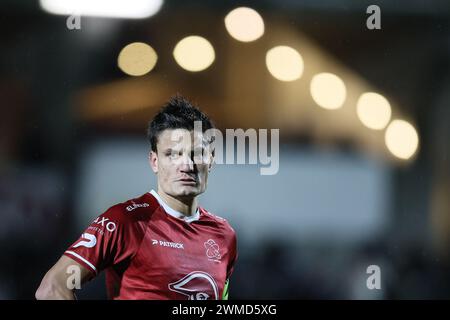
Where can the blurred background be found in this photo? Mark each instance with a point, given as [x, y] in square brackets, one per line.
[364, 122]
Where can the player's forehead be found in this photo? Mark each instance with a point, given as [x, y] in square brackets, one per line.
[180, 138]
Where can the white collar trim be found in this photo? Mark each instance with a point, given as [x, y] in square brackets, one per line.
[173, 212]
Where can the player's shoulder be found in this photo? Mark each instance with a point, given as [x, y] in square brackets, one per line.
[220, 221]
[132, 210]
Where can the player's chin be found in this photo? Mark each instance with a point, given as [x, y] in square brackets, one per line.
[186, 190]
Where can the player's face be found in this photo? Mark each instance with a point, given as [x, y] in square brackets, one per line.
[182, 162]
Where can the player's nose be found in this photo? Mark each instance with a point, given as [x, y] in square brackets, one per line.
[187, 165]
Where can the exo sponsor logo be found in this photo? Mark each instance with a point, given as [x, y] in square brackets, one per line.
[110, 226]
[137, 205]
[87, 240]
[161, 243]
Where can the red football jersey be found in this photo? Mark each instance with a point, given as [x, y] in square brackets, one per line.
[150, 253]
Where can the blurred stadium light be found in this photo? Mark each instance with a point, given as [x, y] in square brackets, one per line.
[353, 187]
[194, 53]
[103, 8]
[374, 110]
[244, 24]
[284, 63]
[328, 91]
[402, 139]
[137, 59]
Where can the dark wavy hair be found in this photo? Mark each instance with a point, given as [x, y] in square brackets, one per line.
[177, 113]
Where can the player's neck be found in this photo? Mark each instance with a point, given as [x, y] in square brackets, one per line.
[186, 206]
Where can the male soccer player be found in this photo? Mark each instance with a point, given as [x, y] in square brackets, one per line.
[161, 245]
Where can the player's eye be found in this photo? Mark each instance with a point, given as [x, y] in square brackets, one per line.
[170, 153]
[174, 154]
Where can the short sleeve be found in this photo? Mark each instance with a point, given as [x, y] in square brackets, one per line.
[107, 241]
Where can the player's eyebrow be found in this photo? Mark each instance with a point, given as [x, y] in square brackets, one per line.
[170, 150]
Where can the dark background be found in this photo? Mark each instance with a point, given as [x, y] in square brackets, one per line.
[59, 89]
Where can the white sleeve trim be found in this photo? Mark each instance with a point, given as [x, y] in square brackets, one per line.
[82, 259]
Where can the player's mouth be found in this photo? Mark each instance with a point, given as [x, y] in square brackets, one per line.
[190, 181]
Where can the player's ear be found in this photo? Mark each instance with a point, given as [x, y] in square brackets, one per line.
[153, 160]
